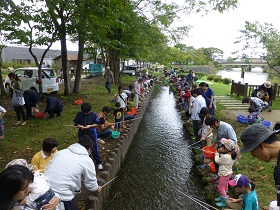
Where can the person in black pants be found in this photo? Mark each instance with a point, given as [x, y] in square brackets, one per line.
[54, 106]
[31, 99]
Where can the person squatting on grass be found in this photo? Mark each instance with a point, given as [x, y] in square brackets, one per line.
[87, 121]
[225, 157]
[263, 144]
[248, 200]
[256, 102]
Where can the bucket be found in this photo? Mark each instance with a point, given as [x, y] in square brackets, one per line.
[40, 114]
[134, 110]
[209, 152]
[115, 134]
[212, 167]
[79, 102]
[266, 123]
[242, 119]
[130, 113]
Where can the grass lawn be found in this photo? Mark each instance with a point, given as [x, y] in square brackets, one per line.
[25, 141]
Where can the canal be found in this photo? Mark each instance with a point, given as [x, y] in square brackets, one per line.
[158, 161]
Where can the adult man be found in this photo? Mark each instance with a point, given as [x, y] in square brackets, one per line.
[104, 129]
[109, 78]
[54, 106]
[137, 91]
[67, 170]
[31, 99]
[198, 103]
[223, 129]
[190, 79]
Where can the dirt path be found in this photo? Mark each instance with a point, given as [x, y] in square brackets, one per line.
[272, 116]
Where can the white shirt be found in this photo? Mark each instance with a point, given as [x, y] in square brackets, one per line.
[2, 110]
[124, 96]
[198, 103]
[204, 130]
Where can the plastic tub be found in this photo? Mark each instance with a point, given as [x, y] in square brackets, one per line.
[40, 114]
[209, 152]
[115, 134]
[266, 123]
[134, 110]
[130, 113]
[242, 119]
[212, 167]
[79, 102]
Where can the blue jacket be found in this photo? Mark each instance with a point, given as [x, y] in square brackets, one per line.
[53, 103]
[87, 119]
[31, 98]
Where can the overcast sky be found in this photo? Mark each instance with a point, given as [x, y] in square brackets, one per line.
[220, 30]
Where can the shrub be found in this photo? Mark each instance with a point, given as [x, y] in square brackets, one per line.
[210, 77]
[218, 79]
[199, 75]
[226, 81]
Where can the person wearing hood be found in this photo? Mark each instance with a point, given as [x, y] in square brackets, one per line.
[31, 99]
[54, 106]
[67, 170]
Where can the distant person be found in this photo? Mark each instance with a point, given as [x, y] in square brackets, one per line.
[2, 113]
[109, 79]
[87, 121]
[118, 115]
[31, 99]
[54, 106]
[16, 87]
[190, 79]
[42, 158]
[121, 97]
[137, 91]
[69, 168]
[268, 91]
[255, 102]
[208, 95]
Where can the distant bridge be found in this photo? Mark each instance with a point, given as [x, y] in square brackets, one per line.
[243, 63]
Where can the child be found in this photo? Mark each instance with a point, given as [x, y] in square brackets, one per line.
[206, 131]
[121, 97]
[253, 116]
[249, 201]
[225, 157]
[2, 113]
[256, 102]
[42, 158]
[40, 191]
[118, 114]
[87, 121]
[186, 98]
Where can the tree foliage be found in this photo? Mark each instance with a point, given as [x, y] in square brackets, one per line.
[263, 40]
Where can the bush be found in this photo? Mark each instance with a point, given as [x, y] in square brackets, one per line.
[211, 77]
[218, 79]
[226, 81]
[199, 75]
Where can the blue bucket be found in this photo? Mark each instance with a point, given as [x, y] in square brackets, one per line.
[266, 123]
[242, 119]
[115, 134]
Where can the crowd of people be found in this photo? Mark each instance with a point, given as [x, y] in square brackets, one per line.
[54, 178]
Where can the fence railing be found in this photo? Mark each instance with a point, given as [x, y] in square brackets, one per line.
[241, 89]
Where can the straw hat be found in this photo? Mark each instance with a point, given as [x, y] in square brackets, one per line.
[267, 84]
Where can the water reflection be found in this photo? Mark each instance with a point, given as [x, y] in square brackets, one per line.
[158, 160]
[255, 77]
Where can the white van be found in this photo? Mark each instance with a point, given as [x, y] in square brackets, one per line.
[30, 80]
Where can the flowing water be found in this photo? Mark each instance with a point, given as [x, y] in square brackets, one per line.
[158, 161]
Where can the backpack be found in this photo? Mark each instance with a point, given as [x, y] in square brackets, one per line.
[276, 126]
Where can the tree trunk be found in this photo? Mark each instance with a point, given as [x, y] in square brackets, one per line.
[77, 83]
[65, 61]
[114, 58]
[3, 92]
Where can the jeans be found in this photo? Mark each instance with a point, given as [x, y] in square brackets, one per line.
[1, 128]
[71, 205]
[104, 134]
[96, 153]
[108, 86]
[56, 111]
[19, 111]
[197, 125]
[44, 199]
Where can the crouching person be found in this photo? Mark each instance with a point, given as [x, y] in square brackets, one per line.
[54, 106]
[67, 170]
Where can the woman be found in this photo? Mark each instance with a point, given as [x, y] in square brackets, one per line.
[208, 95]
[16, 87]
[14, 186]
[263, 144]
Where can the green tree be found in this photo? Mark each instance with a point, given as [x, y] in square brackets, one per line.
[261, 40]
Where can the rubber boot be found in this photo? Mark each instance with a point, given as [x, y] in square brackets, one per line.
[218, 199]
[222, 203]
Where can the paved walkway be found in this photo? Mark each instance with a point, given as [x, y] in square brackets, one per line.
[231, 103]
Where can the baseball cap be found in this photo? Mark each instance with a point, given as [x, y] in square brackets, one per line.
[254, 135]
[228, 143]
[239, 180]
[21, 162]
[267, 84]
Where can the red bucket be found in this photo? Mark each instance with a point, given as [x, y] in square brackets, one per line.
[209, 152]
[212, 167]
[130, 113]
[40, 115]
[79, 102]
[134, 110]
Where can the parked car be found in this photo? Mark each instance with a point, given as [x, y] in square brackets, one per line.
[30, 80]
[130, 70]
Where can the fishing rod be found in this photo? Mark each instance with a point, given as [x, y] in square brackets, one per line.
[203, 203]
[108, 182]
[194, 143]
[198, 202]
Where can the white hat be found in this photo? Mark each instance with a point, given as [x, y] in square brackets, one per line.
[267, 84]
[273, 205]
